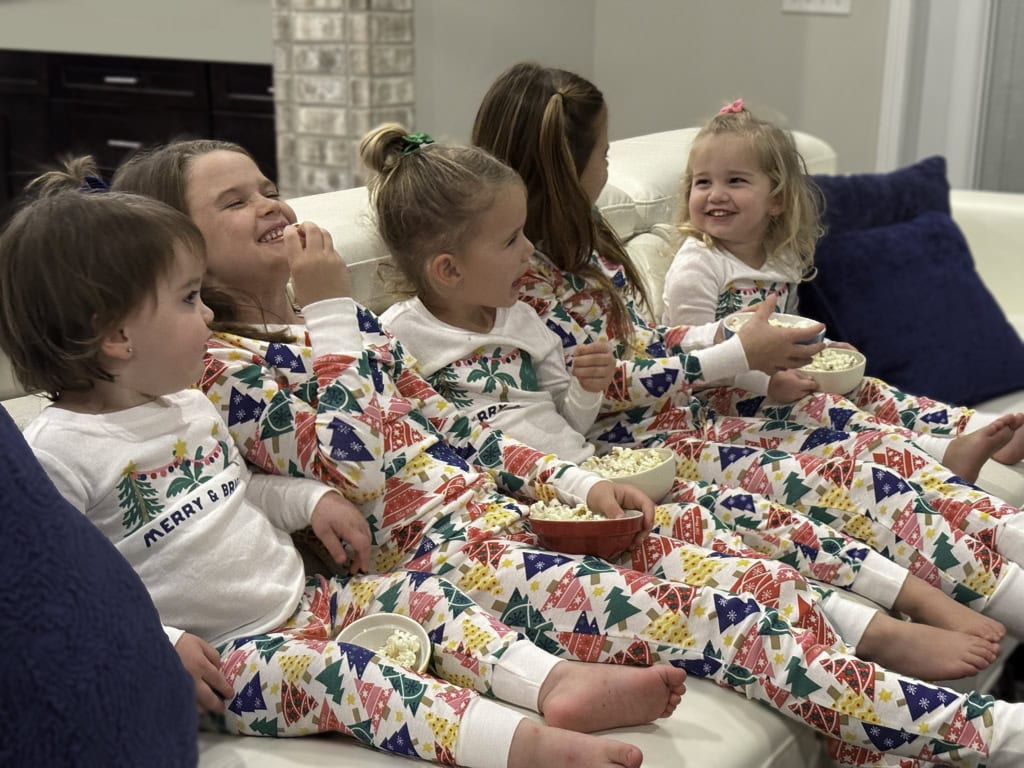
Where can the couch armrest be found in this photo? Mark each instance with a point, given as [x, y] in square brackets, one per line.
[993, 223]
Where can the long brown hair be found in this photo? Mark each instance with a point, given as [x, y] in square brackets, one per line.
[161, 173]
[544, 123]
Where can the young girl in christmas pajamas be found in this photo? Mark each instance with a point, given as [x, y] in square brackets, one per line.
[342, 401]
[749, 216]
[874, 485]
[102, 312]
[495, 358]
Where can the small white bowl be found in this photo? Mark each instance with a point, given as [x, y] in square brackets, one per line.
[656, 481]
[732, 323]
[374, 630]
[842, 380]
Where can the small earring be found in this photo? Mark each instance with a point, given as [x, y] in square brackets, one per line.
[129, 350]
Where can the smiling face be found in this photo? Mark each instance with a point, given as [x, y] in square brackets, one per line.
[491, 263]
[242, 218]
[731, 196]
[168, 333]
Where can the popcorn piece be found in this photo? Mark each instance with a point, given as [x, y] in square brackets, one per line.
[624, 461]
[734, 321]
[556, 510]
[831, 359]
[401, 647]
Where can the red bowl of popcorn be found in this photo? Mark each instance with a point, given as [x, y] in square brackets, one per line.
[577, 531]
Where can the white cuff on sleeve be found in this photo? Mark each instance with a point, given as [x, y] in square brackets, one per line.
[848, 616]
[485, 734]
[880, 579]
[520, 672]
[332, 326]
[723, 361]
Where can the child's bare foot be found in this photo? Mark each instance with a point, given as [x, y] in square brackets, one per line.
[593, 697]
[928, 653]
[535, 745]
[926, 604]
[1013, 451]
[967, 454]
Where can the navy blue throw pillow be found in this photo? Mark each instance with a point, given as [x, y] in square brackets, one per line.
[896, 280]
[869, 200]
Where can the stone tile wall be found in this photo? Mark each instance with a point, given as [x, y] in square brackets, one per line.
[341, 67]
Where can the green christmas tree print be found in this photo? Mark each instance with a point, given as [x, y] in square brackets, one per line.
[619, 608]
[277, 418]
[332, 679]
[445, 381]
[140, 502]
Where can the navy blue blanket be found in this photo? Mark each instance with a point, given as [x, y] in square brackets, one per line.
[88, 676]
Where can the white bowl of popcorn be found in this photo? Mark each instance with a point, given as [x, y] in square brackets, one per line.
[836, 369]
[735, 321]
[393, 636]
[651, 470]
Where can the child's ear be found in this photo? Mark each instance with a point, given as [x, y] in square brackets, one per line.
[443, 271]
[115, 344]
[776, 205]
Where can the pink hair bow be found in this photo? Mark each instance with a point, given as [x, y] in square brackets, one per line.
[736, 106]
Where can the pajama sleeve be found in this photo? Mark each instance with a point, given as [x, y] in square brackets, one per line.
[655, 366]
[329, 425]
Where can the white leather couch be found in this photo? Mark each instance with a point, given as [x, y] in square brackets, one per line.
[712, 726]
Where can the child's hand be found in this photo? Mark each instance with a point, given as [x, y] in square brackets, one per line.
[593, 365]
[318, 271]
[610, 499]
[337, 521]
[772, 349]
[789, 386]
[202, 662]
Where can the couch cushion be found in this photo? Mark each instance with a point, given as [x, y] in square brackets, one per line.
[896, 280]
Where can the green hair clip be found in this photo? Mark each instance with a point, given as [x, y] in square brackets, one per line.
[411, 142]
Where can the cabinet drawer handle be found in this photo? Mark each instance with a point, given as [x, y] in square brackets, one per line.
[120, 80]
[124, 144]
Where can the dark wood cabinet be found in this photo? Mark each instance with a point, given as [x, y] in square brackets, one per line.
[54, 104]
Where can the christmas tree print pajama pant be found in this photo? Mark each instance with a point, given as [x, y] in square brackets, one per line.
[297, 680]
[585, 608]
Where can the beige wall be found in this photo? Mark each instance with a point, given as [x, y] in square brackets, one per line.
[661, 63]
[462, 45]
[669, 63]
[214, 30]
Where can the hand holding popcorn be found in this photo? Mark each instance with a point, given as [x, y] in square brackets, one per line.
[609, 499]
[318, 271]
[772, 349]
[338, 522]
